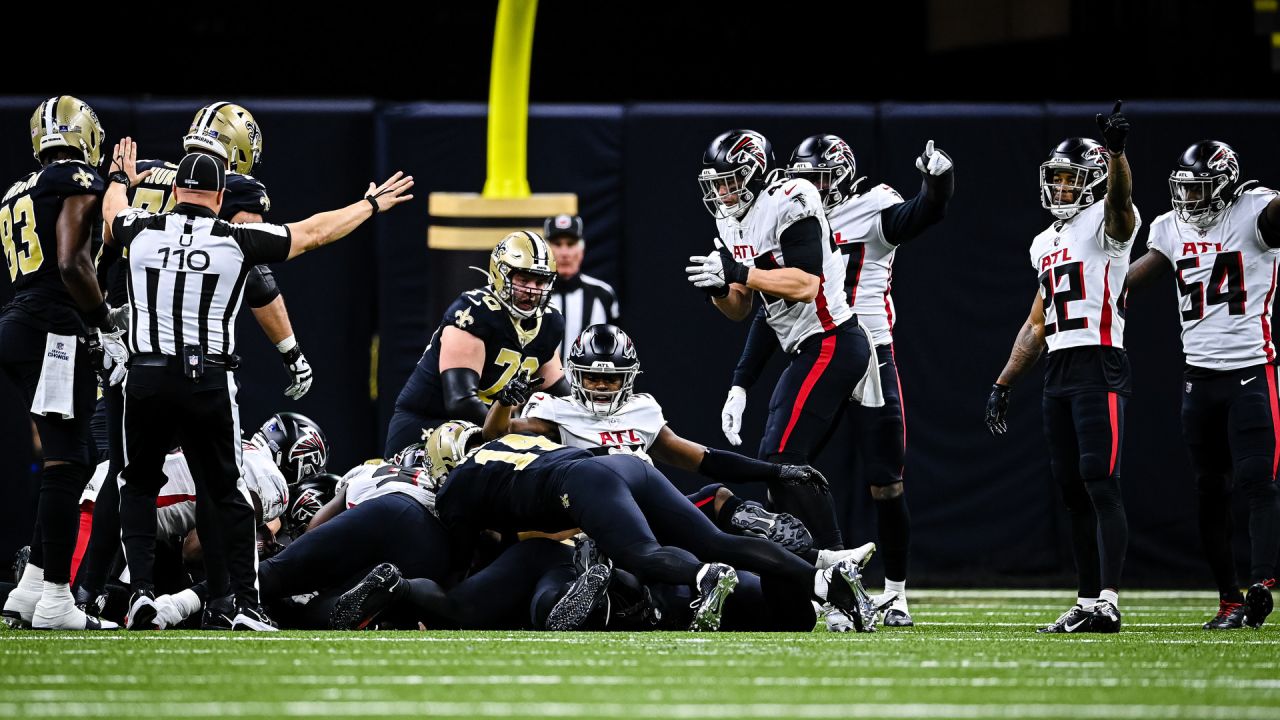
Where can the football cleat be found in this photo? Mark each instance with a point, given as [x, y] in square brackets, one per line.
[586, 552]
[142, 612]
[587, 593]
[1077, 619]
[1258, 604]
[58, 611]
[845, 592]
[895, 617]
[1230, 617]
[752, 519]
[218, 615]
[172, 610]
[361, 605]
[836, 619]
[251, 616]
[716, 581]
[19, 607]
[1105, 618]
[861, 555]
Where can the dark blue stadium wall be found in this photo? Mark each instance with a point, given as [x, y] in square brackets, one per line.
[984, 510]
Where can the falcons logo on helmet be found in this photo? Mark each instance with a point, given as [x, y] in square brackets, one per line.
[1225, 160]
[749, 148]
[839, 151]
[308, 451]
[1097, 155]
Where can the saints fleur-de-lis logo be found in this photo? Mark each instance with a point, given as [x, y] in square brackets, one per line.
[84, 178]
[564, 500]
[462, 318]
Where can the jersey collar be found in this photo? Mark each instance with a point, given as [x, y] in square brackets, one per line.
[193, 210]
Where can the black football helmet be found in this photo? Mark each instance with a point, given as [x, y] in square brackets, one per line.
[414, 455]
[296, 443]
[1205, 181]
[311, 494]
[603, 350]
[1076, 166]
[827, 161]
[736, 165]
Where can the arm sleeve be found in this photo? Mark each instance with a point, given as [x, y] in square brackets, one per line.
[906, 221]
[731, 467]
[107, 257]
[262, 242]
[761, 344]
[561, 388]
[260, 289]
[802, 245]
[461, 400]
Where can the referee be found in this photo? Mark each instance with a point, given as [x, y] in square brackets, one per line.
[583, 300]
[187, 272]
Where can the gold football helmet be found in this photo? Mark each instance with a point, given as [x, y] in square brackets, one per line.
[524, 252]
[447, 446]
[228, 131]
[65, 121]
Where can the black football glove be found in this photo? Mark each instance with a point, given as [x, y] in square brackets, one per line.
[803, 475]
[518, 389]
[267, 544]
[97, 357]
[998, 409]
[1115, 129]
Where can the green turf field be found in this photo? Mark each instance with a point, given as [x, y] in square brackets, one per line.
[973, 655]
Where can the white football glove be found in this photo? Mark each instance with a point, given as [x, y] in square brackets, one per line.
[707, 271]
[296, 363]
[731, 415]
[115, 353]
[932, 161]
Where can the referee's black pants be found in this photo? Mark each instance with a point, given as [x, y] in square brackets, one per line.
[164, 408]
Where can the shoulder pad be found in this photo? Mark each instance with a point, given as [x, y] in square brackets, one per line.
[73, 177]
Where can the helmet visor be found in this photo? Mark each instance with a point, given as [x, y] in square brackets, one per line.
[725, 193]
[601, 390]
[1196, 199]
[1063, 184]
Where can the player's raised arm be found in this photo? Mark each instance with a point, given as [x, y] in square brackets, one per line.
[1026, 351]
[1146, 270]
[517, 391]
[323, 228]
[1119, 219]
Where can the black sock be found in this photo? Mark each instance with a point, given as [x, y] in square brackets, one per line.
[725, 514]
[1264, 529]
[1084, 538]
[59, 512]
[895, 536]
[1113, 528]
[1214, 510]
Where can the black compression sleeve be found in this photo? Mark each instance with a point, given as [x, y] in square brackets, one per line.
[260, 288]
[802, 245]
[761, 344]
[561, 388]
[906, 221]
[727, 466]
[1269, 224]
[110, 254]
[461, 401]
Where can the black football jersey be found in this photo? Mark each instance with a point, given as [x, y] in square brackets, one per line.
[510, 485]
[155, 195]
[29, 214]
[510, 345]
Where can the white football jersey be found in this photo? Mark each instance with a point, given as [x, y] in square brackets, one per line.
[176, 504]
[375, 479]
[754, 241]
[1226, 284]
[1082, 274]
[856, 229]
[635, 426]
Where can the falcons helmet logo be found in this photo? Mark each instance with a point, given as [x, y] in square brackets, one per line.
[308, 452]
[1225, 160]
[749, 148]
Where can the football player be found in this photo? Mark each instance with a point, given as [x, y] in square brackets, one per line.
[486, 336]
[775, 241]
[1222, 240]
[46, 339]
[229, 133]
[868, 227]
[604, 414]
[522, 482]
[1082, 259]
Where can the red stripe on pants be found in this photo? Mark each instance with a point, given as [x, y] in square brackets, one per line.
[82, 538]
[815, 373]
[1113, 407]
[1275, 419]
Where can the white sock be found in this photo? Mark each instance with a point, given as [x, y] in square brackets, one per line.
[898, 586]
[1110, 596]
[187, 602]
[1085, 602]
[820, 584]
[57, 594]
[32, 579]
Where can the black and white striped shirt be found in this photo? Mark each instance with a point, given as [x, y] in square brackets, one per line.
[584, 301]
[187, 272]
